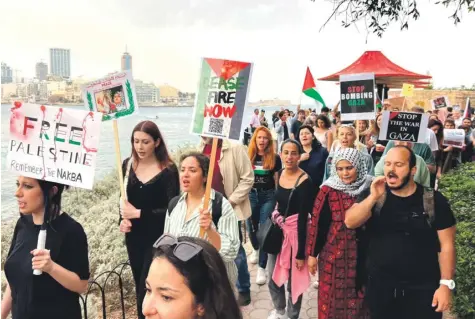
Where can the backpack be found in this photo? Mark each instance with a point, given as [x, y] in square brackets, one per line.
[216, 206]
[427, 199]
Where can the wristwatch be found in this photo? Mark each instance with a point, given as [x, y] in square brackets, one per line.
[448, 283]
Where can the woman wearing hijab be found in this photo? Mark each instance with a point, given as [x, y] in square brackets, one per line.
[339, 259]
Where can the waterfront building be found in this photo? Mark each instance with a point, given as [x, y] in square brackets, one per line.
[7, 74]
[41, 71]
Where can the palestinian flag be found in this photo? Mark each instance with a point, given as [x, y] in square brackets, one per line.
[468, 112]
[309, 88]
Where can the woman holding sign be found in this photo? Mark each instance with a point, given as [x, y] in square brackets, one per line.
[151, 181]
[186, 216]
[65, 265]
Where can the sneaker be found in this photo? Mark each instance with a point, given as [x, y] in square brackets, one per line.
[254, 258]
[315, 284]
[261, 277]
[277, 315]
[244, 299]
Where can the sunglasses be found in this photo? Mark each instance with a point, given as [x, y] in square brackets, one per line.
[183, 250]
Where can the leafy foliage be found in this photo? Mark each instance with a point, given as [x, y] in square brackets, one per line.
[379, 14]
[459, 188]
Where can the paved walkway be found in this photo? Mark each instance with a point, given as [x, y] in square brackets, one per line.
[261, 303]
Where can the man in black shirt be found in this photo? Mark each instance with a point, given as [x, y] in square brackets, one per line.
[411, 252]
[297, 124]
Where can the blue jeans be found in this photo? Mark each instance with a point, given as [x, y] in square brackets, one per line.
[262, 205]
[243, 283]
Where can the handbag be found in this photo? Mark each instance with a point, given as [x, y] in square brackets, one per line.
[270, 235]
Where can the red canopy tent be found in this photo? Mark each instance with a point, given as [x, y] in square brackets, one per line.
[387, 74]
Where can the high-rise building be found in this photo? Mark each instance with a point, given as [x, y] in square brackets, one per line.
[41, 71]
[60, 62]
[7, 73]
[126, 64]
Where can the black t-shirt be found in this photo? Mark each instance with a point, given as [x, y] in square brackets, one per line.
[264, 178]
[295, 127]
[403, 245]
[301, 203]
[38, 297]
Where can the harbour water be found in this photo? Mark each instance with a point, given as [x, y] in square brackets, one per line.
[174, 123]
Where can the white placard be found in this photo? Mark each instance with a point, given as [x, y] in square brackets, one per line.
[454, 137]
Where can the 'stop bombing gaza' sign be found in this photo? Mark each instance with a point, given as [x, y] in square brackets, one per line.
[357, 97]
[221, 98]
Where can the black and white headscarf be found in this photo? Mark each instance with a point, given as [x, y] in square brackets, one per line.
[363, 180]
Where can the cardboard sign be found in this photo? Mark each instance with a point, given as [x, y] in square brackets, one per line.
[454, 137]
[221, 99]
[114, 96]
[54, 144]
[407, 90]
[440, 102]
[357, 97]
[404, 126]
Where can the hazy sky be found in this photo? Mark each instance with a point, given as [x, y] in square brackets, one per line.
[168, 38]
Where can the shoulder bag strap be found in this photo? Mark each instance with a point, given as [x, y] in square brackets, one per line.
[291, 193]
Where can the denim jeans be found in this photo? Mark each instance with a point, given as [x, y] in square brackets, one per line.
[243, 283]
[262, 205]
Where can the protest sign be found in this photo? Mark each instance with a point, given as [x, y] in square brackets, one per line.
[222, 96]
[454, 137]
[114, 96]
[357, 97]
[440, 102]
[54, 144]
[407, 90]
[404, 126]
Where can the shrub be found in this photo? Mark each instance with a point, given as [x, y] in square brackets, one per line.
[459, 188]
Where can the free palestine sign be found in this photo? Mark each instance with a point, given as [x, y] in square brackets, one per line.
[357, 98]
[404, 126]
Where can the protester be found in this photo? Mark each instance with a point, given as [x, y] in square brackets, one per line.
[296, 124]
[312, 161]
[255, 122]
[376, 145]
[150, 181]
[262, 119]
[431, 139]
[294, 204]
[421, 149]
[323, 131]
[188, 215]
[283, 128]
[187, 280]
[363, 130]
[411, 243]
[340, 293]
[467, 151]
[451, 156]
[438, 128]
[234, 177]
[266, 163]
[64, 261]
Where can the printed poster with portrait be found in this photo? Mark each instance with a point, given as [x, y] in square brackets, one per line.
[440, 102]
[114, 96]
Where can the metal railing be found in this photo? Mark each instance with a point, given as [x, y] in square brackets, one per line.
[95, 286]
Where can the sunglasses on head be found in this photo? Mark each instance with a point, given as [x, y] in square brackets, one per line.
[183, 250]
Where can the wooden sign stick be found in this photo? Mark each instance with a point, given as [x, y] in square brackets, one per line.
[403, 104]
[212, 160]
[119, 160]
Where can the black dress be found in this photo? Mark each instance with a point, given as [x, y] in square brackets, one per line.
[152, 199]
[39, 297]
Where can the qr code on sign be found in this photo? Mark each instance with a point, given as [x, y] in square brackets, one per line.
[216, 126]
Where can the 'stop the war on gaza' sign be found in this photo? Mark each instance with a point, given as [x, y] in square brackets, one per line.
[404, 126]
[357, 97]
[222, 96]
[54, 144]
[114, 96]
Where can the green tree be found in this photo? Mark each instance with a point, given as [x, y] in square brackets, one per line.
[380, 14]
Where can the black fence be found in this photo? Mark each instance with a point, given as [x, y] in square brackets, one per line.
[95, 287]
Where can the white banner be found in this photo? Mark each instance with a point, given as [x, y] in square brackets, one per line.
[54, 143]
[114, 96]
[454, 137]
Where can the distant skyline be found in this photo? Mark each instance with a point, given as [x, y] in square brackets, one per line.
[167, 39]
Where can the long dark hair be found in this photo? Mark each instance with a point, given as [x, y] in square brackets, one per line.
[52, 201]
[440, 133]
[161, 151]
[315, 143]
[325, 120]
[206, 276]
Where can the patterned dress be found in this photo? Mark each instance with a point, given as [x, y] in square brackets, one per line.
[339, 296]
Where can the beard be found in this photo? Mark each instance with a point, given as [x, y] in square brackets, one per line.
[404, 183]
